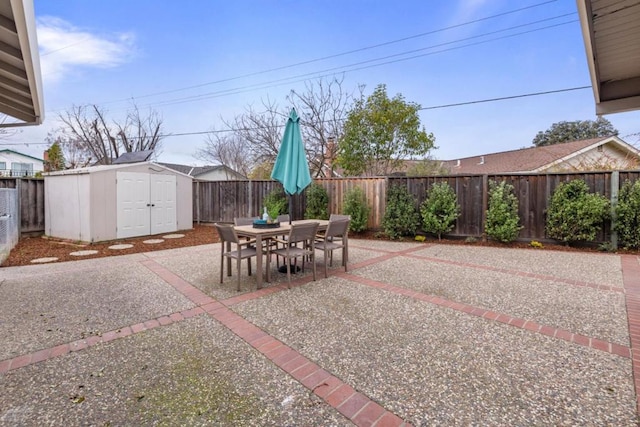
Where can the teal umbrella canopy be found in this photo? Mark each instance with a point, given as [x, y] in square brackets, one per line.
[291, 167]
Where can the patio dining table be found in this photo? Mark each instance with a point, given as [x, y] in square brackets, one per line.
[261, 234]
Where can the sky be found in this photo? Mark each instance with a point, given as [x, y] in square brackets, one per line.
[197, 62]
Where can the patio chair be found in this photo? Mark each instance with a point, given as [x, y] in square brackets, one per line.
[244, 250]
[335, 237]
[300, 234]
[266, 243]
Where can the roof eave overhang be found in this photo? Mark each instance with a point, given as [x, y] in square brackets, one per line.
[25, 26]
[610, 96]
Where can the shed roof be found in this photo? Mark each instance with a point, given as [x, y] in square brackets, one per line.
[101, 168]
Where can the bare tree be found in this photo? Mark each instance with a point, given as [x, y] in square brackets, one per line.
[87, 129]
[322, 108]
[255, 135]
[227, 149]
[75, 156]
[252, 139]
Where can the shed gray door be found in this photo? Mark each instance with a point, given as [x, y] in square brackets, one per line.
[146, 204]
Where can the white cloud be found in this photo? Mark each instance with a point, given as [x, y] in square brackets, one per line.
[64, 48]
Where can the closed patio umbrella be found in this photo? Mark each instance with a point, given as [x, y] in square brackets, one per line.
[291, 167]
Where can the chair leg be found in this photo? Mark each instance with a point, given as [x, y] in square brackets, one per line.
[344, 257]
[238, 263]
[221, 266]
[312, 255]
[288, 261]
[249, 265]
[325, 263]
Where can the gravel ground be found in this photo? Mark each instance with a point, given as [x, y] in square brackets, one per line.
[202, 269]
[435, 366]
[193, 373]
[603, 269]
[591, 312]
[52, 309]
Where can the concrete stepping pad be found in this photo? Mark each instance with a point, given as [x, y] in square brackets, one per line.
[120, 246]
[83, 253]
[44, 260]
[173, 236]
[153, 241]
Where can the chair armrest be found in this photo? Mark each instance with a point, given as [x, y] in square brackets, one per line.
[247, 242]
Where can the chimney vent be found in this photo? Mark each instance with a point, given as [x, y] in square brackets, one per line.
[481, 160]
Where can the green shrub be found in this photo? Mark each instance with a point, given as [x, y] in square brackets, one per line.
[276, 203]
[502, 213]
[355, 205]
[401, 217]
[317, 202]
[440, 210]
[574, 213]
[628, 215]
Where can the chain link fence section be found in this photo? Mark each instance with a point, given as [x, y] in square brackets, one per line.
[9, 221]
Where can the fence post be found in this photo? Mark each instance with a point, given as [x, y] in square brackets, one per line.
[485, 205]
[250, 197]
[198, 202]
[615, 188]
[19, 201]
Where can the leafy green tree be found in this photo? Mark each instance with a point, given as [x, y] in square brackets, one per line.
[440, 210]
[574, 213]
[401, 216]
[573, 131]
[628, 215]
[380, 133]
[355, 205]
[317, 202]
[503, 222]
[55, 161]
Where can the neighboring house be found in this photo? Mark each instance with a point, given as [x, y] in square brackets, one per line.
[13, 163]
[607, 153]
[207, 173]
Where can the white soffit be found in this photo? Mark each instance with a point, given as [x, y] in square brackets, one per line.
[611, 32]
[20, 78]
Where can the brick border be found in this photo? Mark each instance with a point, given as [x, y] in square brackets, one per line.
[594, 343]
[631, 280]
[81, 344]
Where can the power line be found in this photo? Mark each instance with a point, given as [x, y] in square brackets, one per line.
[503, 98]
[433, 107]
[458, 104]
[424, 108]
[349, 52]
[345, 68]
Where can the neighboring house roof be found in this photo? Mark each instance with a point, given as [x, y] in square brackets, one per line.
[611, 30]
[196, 171]
[535, 159]
[6, 151]
[20, 77]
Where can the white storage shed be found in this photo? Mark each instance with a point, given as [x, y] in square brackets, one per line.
[111, 202]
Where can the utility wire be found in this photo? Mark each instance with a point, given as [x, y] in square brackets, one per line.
[458, 104]
[346, 68]
[349, 52]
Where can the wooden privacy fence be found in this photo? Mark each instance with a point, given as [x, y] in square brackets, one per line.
[224, 200]
[31, 202]
[221, 201]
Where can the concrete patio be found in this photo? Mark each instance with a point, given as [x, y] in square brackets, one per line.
[412, 334]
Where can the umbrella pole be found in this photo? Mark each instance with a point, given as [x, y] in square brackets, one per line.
[290, 208]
